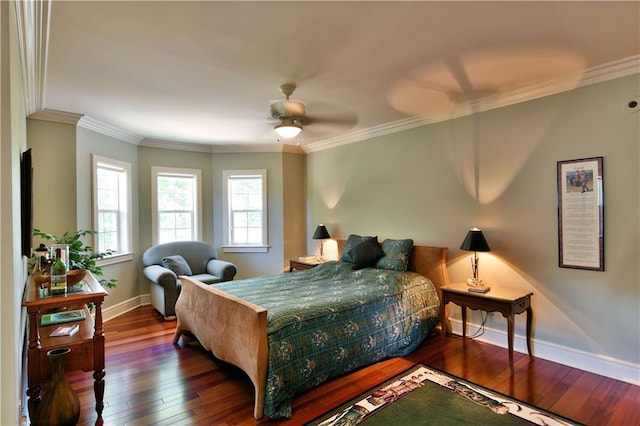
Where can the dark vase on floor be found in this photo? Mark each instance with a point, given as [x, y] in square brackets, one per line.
[60, 405]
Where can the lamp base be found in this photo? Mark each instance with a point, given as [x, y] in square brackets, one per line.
[477, 286]
[482, 289]
[474, 282]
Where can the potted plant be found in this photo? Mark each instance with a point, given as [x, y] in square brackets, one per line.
[81, 256]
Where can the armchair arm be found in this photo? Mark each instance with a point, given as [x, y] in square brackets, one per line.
[220, 268]
[160, 275]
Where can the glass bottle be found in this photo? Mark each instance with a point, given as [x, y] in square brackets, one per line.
[58, 275]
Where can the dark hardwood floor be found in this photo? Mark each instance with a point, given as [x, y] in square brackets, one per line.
[151, 381]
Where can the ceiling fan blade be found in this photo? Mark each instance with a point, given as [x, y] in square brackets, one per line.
[321, 112]
[342, 121]
[287, 108]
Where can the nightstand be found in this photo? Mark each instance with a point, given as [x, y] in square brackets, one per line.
[507, 301]
[299, 265]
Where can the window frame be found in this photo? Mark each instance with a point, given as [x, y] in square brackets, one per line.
[228, 244]
[125, 215]
[157, 171]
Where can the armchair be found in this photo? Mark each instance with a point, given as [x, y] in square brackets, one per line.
[193, 258]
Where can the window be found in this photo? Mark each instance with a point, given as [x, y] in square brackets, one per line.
[176, 204]
[112, 205]
[245, 210]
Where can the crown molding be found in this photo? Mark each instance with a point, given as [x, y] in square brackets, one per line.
[109, 130]
[178, 146]
[368, 133]
[286, 148]
[32, 22]
[56, 116]
[221, 149]
[610, 71]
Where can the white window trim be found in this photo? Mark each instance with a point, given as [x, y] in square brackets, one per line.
[155, 171]
[126, 254]
[227, 247]
[116, 258]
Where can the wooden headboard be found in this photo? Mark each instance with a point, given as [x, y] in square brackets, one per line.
[430, 262]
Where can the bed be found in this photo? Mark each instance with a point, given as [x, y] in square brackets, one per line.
[282, 330]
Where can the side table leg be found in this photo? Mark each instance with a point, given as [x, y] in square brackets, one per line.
[443, 321]
[510, 340]
[464, 322]
[98, 390]
[529, 324]
[34, 400]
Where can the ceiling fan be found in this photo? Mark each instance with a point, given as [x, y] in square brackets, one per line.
[289, 113]
[291, 116]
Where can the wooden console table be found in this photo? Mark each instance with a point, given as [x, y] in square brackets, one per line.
[87, 345]
[507, 301]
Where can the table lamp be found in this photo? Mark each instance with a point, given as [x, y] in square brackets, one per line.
[475, 242]
[321, 234]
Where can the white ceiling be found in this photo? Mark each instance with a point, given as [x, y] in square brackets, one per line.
[206, 72]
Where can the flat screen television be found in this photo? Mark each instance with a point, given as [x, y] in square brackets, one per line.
[26, 202]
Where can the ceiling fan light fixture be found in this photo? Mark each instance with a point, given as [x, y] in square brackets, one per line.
[288, 128]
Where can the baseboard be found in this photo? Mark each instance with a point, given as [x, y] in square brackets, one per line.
[594, 363]
[123, 307]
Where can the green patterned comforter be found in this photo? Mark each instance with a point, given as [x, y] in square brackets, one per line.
[326, 321]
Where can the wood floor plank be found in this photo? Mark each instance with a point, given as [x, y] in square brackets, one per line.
[612, 401]
[151, 381]
[625, 413]
[577, 393]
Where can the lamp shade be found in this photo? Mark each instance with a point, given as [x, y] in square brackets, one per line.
[474, 241]
[321, 233]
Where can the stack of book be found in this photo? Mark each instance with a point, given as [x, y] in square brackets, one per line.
[64, 316]
[308, 259]
[69, 330]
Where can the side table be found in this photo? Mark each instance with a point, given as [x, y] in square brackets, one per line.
[507, 301]
[87, 345]
[299, 265]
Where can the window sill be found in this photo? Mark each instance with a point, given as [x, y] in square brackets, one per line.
[116, 258]
[245, 249]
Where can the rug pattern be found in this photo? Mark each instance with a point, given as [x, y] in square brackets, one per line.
[364, 408]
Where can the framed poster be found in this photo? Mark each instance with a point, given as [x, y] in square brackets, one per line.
[580, 214]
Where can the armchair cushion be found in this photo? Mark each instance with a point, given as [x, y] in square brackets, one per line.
[207, 278]
[177, 264]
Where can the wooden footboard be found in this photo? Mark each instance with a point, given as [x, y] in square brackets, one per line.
[233, 329]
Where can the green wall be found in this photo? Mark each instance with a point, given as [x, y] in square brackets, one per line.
[149, 157]
[497, 170]
[254, 264]
[88, 143]
[296, 229]
[54, 176]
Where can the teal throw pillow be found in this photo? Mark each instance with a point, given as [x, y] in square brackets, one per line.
[396, 254]
[177, 264]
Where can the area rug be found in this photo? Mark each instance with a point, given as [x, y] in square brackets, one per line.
[425, 396]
